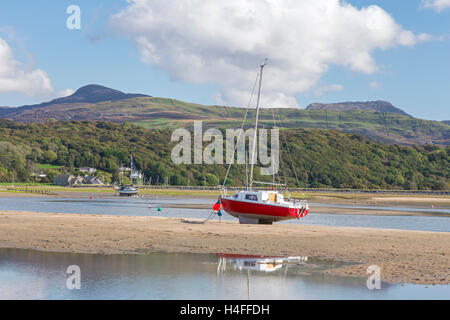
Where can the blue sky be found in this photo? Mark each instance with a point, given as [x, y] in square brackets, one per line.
[414, 78]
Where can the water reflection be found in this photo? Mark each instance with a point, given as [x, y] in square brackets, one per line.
[257, 263]
[252, 263]
[26, 274]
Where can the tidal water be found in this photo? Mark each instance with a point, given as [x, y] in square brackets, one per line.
[140, 207]
[26, 274]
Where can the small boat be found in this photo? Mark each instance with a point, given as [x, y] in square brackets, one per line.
[255, 206]
[130, 190]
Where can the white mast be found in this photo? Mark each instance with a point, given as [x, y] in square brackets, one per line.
[256, 124]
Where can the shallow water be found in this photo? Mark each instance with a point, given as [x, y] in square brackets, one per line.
[433, 211]
[139, 207]
[28, 274]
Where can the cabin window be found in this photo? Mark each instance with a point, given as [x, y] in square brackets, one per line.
[251, 197]
[236, 196]
[273, 197]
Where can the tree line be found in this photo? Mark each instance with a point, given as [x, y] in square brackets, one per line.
[312, 158]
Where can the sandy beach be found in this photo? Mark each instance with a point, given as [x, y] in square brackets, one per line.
[404, 256]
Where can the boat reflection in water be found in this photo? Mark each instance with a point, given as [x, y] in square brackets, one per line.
[257, 263]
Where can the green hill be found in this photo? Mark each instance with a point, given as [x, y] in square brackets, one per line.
[377, 120]
[381, 127]
[378, 106]
[321, 158]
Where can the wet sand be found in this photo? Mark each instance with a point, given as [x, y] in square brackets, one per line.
[404, 256]
[441, 199]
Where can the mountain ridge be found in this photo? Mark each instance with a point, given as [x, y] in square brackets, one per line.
[371, 119]
[377, 106]
[4, 110]
[92, 93]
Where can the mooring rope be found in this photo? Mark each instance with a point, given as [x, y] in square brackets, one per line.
[213, 213]
[209, 218]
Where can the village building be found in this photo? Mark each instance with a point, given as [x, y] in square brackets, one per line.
[93, 180]
[87, 170]
[67, 180]
[71, 180]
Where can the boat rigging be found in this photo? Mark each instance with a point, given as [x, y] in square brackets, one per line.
[255, 206]
[135, 177]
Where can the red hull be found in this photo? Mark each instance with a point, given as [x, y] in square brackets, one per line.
[254, 210]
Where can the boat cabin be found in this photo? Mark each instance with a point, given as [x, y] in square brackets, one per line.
[259, 196]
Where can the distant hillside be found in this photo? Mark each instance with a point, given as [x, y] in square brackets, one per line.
[377, 106]
[4, 111]
[89, 94]
[95, 93]
[96, 103]
[446, 122]
[321, 158]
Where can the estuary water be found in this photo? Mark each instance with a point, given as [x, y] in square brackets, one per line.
[26, 274]
[140, 207]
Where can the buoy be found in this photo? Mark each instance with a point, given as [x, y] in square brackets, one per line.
[220, 213]
[216, 207]
[90, 198]
[159, 209]
[149, 207]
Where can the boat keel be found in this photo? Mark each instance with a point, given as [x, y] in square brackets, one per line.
[244, 220]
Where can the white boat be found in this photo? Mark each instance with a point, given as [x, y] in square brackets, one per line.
[130, 190]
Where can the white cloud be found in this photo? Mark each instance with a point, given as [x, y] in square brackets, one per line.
[374, 85]
[324, 89]
[436, 5]
[64, 93]
[15, 78]
[223, 42]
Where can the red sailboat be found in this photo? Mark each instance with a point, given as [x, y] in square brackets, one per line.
[263, 207]
[255, 206]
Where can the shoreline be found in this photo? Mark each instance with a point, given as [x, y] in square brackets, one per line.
[415, 257]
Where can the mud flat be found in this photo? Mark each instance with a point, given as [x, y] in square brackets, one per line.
[403, 256]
